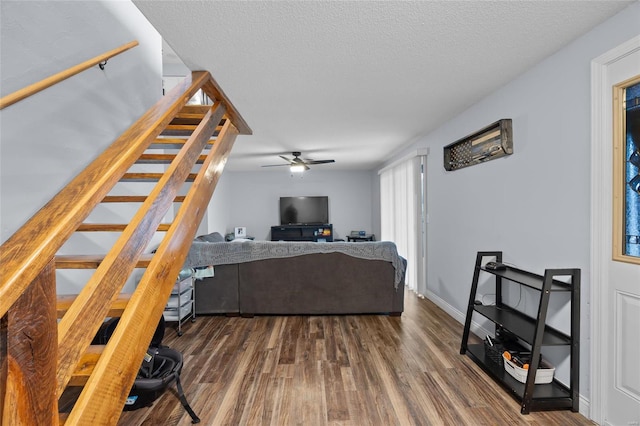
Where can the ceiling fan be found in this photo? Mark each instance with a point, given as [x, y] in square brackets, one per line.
[297, 164]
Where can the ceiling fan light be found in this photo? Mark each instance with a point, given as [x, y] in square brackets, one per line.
[297, 168]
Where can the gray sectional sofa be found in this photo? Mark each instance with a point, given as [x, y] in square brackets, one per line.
[254, 278]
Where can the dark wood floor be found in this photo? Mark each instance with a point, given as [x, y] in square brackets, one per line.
[335, 370]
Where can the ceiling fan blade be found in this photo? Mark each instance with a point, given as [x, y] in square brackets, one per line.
[297, 161]
[320, 161]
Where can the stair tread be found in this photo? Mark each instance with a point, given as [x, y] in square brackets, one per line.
[114, 227]
[195, 109]
[193, 115]
[163, 159]
[92, 261]
[150, 177]
[79, 378]
[134, 199]
[190, 127]
[175, 143]
[86, 365]
[179, 128]
[64, 301]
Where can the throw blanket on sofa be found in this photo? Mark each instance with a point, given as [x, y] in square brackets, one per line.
[225, 253]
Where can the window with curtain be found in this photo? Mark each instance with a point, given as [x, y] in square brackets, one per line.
[402, 214]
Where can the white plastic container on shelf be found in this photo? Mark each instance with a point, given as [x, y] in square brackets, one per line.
[181, 303]
[176, 300]
[181, 285]
[175, 314]
[543, 375]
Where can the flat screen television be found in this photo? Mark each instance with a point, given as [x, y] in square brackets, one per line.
[304, 210]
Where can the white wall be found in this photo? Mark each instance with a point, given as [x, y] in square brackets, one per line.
[533, 205]
[218, 216]
[250, 199]
[50, 137]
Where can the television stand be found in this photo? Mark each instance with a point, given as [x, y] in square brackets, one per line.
[316, 233]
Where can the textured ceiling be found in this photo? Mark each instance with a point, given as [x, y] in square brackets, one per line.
[355, 81]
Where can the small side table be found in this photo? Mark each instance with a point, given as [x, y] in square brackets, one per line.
[356, 238]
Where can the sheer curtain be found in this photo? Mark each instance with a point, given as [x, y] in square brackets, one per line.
[402, 213]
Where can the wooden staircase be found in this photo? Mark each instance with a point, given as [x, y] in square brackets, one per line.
[45, 339]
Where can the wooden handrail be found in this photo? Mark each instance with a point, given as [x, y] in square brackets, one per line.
[63, 75]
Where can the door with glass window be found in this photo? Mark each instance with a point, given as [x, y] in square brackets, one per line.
[621, 378]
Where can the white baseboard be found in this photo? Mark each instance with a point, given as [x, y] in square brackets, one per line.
[476, 328]
[584, 407]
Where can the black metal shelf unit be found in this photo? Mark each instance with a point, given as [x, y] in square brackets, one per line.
[533, 331]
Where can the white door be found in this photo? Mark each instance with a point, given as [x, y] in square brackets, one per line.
[615, 393]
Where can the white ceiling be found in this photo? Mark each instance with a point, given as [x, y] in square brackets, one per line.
[356, 81]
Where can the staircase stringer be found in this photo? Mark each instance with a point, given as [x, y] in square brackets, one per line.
[26, 255]
[109, 278]
[143, 311]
